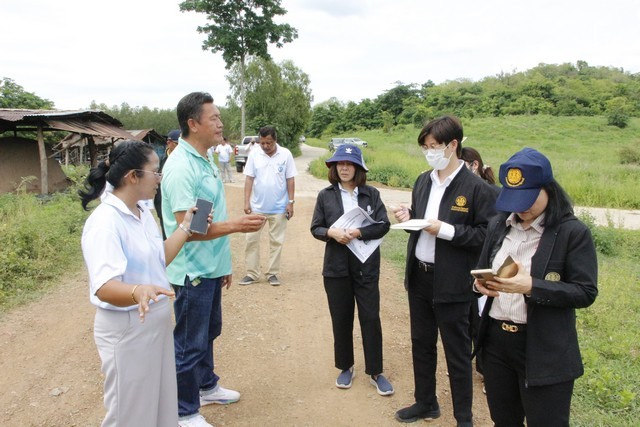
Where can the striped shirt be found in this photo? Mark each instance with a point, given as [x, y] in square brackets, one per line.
[521, 244]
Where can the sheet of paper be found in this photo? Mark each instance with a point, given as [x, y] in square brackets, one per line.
[357, 218]
[412, 224]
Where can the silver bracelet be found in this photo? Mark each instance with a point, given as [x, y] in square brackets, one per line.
[186, 230]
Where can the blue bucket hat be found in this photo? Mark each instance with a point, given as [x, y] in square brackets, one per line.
[174, 135]
[522, 177]
[347, 153]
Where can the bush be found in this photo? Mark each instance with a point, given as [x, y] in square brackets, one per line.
[629, 156]
[39, 239]
[617, 119]
[604, 238]
[618, 112]
[391, 175]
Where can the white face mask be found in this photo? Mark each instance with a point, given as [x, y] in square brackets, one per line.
[436, 158]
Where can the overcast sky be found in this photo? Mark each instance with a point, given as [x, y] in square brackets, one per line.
[148, 53]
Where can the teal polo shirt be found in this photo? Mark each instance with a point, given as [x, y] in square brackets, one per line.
[187, 176]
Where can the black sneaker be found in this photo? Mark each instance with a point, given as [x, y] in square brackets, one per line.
[417, 411]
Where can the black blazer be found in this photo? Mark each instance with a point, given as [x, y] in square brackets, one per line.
[565, 272]
[337, 257]
[467, 204]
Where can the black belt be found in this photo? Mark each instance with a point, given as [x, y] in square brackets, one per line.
[427, 267]
[510, 326]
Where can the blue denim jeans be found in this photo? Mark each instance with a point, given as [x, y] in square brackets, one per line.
[198, 312]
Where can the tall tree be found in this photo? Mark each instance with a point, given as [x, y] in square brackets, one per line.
[240, 29]
[277, 94]
[12, 95]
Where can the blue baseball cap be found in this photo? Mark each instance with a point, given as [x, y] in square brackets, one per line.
[522, 177]
[174, 135]
[347, 153]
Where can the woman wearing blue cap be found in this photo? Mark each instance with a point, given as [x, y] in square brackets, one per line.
[528, 337]
[346, 278]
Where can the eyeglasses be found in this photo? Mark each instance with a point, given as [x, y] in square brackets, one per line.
[156, 174]
[425, 148]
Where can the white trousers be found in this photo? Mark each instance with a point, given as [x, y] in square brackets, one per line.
[138, 365]
[225, 171]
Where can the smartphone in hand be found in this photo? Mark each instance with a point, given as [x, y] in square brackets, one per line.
[199, 222]
[483, 275]
[506, 270]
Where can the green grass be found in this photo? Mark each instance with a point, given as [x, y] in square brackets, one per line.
[608, 393]
[40, 237]
[39, 240]
[596, 164]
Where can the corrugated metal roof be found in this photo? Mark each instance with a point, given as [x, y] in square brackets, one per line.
[14, 115]
[88, 127]
[91, 122]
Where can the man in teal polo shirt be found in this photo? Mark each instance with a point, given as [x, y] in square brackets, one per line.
[203, 266]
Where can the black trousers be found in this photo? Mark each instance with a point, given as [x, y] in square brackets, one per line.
[474, 319]
[452, 320]
[510, 399]
[342, 294]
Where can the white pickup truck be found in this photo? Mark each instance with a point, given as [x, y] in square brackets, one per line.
[241, 151]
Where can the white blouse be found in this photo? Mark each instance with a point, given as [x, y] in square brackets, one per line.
[118, 245]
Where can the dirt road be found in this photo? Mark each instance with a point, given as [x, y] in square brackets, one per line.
[276, 345]
[275, 348]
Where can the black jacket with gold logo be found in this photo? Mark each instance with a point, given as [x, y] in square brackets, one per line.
[565, 272]
[468, 203]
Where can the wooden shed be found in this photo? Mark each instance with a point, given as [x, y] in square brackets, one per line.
[72, 149]
[88, 123]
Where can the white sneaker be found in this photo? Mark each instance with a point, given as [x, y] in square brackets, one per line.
[220, 396]
[197, 421]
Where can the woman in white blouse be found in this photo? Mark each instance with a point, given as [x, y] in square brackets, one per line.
[126, 259]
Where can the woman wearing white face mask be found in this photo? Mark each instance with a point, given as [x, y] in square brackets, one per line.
[458, 205]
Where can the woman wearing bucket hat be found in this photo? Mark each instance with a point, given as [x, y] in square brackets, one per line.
[347, 280]
[528, 335]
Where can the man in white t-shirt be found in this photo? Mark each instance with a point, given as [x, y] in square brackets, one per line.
[224, 151]
[269, 189]
[253, 145]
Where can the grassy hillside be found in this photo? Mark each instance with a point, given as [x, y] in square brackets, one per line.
[598, 165]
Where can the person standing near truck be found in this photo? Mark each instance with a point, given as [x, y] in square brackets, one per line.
[224, 151]
[269, 189]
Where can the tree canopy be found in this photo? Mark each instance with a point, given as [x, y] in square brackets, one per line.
[12, 95]
[277, 95]
[560, 90]
[241, 29]
[161, 120]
